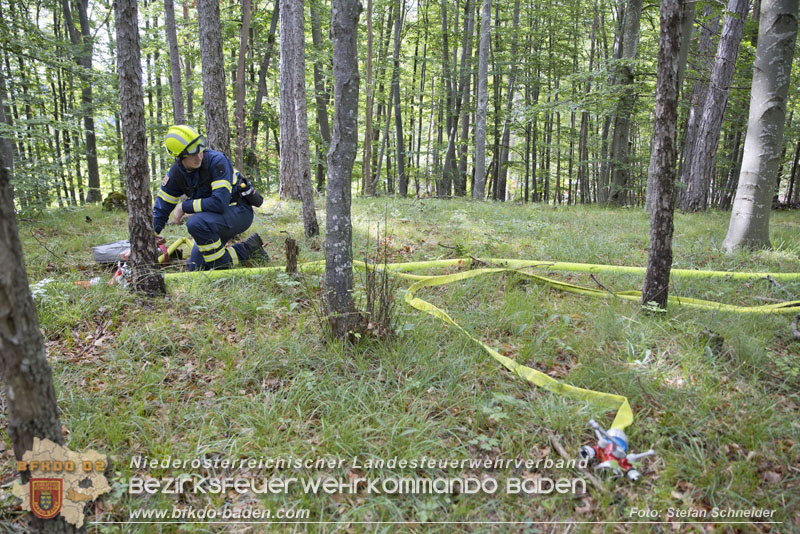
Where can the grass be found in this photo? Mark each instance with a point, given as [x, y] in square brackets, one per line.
[238, 368]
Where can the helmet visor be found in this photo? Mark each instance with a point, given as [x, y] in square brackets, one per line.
[196, 145]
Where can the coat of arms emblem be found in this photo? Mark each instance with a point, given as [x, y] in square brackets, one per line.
[46, 497]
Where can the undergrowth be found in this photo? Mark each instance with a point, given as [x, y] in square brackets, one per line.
[238, 368]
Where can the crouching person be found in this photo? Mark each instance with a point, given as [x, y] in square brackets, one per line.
[218, 210]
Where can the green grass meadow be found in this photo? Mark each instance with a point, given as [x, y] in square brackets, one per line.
[240, 368]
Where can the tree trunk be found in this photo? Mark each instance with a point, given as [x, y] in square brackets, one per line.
[506, 139]
[189, 68]
[31, 406]
[82, 44]
[320, 93]
[146, 277]
[620, 170]
[659, 259]
[479, 191]
[466, 75]
[687, 23]
[241, 134]
[295, 162]
[174, 63]
[402, 179]
[708, 132]
[215, 100]
[342, 153]
[699, 95]
[261, 92]
[777, 32]
[366, 161]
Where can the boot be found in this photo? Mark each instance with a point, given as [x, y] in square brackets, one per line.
[254, 247]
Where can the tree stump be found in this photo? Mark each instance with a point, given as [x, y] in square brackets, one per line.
[291, 255]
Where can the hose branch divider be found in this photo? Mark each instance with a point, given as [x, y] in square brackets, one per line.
[408, 270]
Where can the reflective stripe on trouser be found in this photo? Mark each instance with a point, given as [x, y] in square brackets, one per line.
[211, 231]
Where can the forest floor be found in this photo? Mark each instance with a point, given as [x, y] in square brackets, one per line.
[239, 368]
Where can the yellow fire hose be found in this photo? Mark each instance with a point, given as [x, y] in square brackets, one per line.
[624, 414]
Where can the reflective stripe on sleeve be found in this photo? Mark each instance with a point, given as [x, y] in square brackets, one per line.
[197, 205]
[216, 184]
[166, 197]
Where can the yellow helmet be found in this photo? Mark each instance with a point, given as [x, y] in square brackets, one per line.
[182, 140]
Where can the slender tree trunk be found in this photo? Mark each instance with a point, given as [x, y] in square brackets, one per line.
[146, 276]
[366, 160]
[320, 94]
[241, 133]
[467, 63]
[174, 63]
[344, 144]
[295, 164]
[699, 94]
[82, 44]
[261, 92]
[479, 191]
[777, 33]
[708, 133]
[791, 192]
[444, 184]
[620, 165]
[189, 72]
[215, 100]
[402, 179]
[659, 260]
[512, 76]
[687, 24]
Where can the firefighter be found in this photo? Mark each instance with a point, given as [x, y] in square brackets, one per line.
[218, 212]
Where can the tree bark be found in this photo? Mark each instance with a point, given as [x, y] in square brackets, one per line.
[82, 45]
[214, 96]
[342, 153]
[777, 33]
[479, 191]
[466, 76]
[687, 24]
[321, 95]
[659, 259]
[241, 134]
[295, 161]
[698, 98]
[261, 92]
[146, 277]
[620, 170]
[402, 179]
[178, 113]
[708, 131]
[504, 150]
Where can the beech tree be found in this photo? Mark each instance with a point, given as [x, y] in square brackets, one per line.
[710, 126]
[479, 190]
[620, 171]
[777, 32]
[342, 153]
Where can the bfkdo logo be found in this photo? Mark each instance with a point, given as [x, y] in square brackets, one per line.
[47, 496]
